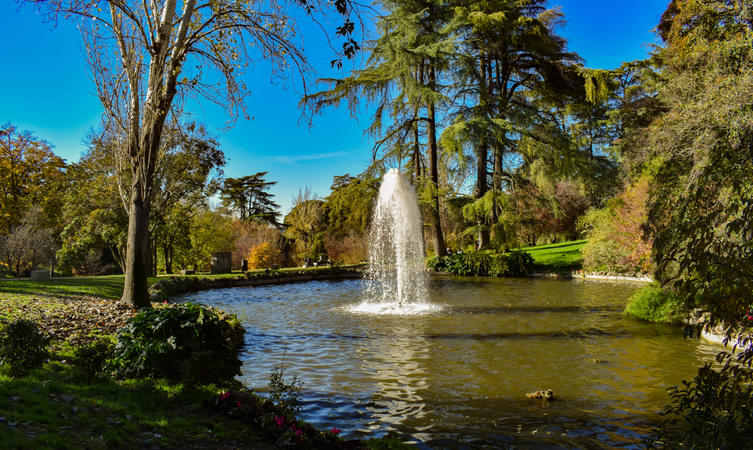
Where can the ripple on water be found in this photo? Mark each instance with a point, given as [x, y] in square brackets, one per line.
[454, 371]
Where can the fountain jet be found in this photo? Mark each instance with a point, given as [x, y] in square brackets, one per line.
[396, 279]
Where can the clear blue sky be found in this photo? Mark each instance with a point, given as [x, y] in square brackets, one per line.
[45, 88]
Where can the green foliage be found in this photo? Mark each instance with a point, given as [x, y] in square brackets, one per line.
[616, 237]
[91, 359]
[285, 394]
[701, 208]
[23, 347]
[715, 409]
[182, 342]
[654, 304]
[479, 263]
[248, 195]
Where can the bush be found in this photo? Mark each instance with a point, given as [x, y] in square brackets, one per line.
[474, 263]
[616, 238]
[23, 347]
[91, 359]
[264, 256]
[286, 395]
[654, 304]
[185, 342]
[715, 409]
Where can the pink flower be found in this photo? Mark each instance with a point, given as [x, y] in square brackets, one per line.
[164, 302]
[279, 421]
[335, 430]
[298, 432]
[225, 395]
[238, 404]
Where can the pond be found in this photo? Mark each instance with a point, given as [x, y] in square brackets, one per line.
[457, 376]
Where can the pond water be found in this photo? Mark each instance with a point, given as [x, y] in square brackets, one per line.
[457, 376]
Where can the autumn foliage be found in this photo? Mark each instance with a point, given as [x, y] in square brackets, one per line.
[616, 240]
[264, 255]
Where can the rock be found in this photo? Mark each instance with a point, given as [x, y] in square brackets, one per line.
[40, 275]
[597, 361]
[547, 395]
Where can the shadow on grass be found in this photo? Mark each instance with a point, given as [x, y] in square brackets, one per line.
[56, 408]
[110, 286]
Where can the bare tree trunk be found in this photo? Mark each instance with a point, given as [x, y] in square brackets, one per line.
[436, 227]
[135, 287]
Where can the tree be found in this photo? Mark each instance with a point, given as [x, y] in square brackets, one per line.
[96, 208]
[508, 58]
[30, 174]
[248, 195]
[701, 204]
[305, 223]
[146, 55]
[31, 243]
[403, 78]
[701, 208]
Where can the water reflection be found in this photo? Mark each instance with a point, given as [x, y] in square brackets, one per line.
[458, 375]
[395, 362]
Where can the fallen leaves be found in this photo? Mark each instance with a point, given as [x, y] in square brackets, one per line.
[74, 319]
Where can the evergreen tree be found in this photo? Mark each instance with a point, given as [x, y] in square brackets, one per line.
[403, 79]
[249, 197]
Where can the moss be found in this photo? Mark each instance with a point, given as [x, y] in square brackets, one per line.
[654, 304]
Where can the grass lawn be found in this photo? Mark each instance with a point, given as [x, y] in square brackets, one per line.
[564, 256]
[55, 407]
[105, 286]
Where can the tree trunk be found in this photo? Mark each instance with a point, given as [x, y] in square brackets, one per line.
[436, 227]
[167, 250]
[481, 188]
[497, 179]
[135, 287]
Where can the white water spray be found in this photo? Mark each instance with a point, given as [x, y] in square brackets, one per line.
[396, 279]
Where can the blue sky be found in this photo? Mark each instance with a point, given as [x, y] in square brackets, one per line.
[45, 88]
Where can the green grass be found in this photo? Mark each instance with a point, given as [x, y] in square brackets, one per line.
[55, 407]
[564, 256]
[106, 286]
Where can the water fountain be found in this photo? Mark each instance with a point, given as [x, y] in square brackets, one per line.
[396, 279]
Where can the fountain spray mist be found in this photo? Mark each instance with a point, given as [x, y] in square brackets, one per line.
[396, 279]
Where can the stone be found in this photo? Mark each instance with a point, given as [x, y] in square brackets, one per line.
[221, 262]
[40, 275]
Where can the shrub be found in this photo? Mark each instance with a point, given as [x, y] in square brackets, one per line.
[91, 359]
[285, 394]
[264, 256]
[654, 304]
[715, 409]
[616, 239]
[23, 347]
[518, 263]
[183, 342]
[474, 263]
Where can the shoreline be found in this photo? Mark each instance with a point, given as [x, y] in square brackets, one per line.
[176, 285]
